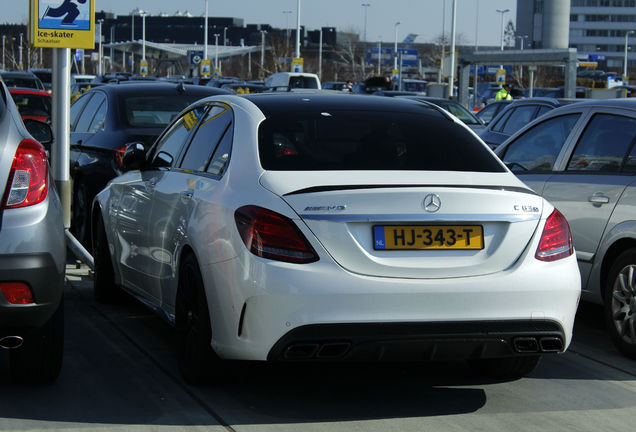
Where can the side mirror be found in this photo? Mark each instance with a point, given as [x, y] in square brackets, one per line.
[134, 157]
[40, 131]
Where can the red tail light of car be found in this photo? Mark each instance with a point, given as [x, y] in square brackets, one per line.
[271, 235]
[16, 292]
[556, 239]
[28, 182]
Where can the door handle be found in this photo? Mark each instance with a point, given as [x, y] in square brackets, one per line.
[599, 199]
[151, 183]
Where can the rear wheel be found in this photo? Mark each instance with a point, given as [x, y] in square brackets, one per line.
[620, 303]
[198, 363]
[39, 359]
[104, 288]
[512, 367]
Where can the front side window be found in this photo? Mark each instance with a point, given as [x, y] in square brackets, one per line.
[169, 145]
[206, 138]
[604, 144]
[370, 140]
[538, 148]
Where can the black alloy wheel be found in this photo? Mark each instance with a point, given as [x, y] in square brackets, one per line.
[198, 363]
[620, 303]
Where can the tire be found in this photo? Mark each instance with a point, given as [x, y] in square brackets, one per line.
[104, 288]
[39, 359]
[80, 222]
[198, 363]
[512, 367]
[620, 303]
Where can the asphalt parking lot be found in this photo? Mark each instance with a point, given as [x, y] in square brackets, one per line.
[120, 373]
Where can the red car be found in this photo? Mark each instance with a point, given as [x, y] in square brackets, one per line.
[32, 104]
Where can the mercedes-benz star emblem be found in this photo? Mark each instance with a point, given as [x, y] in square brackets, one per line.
[432, 203]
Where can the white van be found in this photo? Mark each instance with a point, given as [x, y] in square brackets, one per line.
[287, 81]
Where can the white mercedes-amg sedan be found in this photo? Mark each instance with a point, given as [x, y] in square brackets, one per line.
[335, 228]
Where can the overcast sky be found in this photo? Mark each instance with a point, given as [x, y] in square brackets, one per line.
[422, 17]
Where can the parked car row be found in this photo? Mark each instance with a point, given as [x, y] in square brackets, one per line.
[360, 190]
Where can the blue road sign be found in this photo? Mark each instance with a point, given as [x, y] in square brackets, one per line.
[195, 57]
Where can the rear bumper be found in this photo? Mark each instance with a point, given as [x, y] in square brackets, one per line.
[418, 341]
[32, 251]
[258, 314]
[42, 275]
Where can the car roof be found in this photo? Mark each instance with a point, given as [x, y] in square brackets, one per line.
[17, 74]
[624, 103]
[281, 103]
[142, 87]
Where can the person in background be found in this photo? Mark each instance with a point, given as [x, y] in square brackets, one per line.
[504, 93]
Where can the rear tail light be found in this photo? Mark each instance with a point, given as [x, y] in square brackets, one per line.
[28, 182]
[272, 235]
[556, 240]
[16, 292]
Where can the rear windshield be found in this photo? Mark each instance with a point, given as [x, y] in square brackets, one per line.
[365, 140]
[32, 104]
[23, 82]
[303, 82]
[155, 111]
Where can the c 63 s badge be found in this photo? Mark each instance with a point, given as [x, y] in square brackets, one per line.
[526, 208]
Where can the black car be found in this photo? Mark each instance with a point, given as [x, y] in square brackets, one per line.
[490, 111]
[516, 115]
[107, 118]
[455, 108]
[22, 79]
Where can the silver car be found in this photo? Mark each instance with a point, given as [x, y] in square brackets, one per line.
[32, 250]
[582, 159]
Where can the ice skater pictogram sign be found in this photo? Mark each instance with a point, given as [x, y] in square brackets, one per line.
[62, 23]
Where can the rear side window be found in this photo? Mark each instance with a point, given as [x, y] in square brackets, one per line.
[538, 148]
[605, 144]
[86, 118]
[370, 140]
[519, 118]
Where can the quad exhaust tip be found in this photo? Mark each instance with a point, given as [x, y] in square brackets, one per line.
[11, 342]
[546, 344]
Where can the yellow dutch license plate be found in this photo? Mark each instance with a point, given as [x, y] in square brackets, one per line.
[458, 237]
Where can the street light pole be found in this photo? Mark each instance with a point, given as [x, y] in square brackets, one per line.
[627, 33]
[286, 14]
[205, 32]
[20, 65]
[379, 56]
[452, 50]
[4, 38]
[441, 60]
[365, 6]
[502, 12]
[395, 46]
[224, 35]
[263, 50]
[99, 50]
[216, 53]
[320, 55]
[298, 29]
[143, 37]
